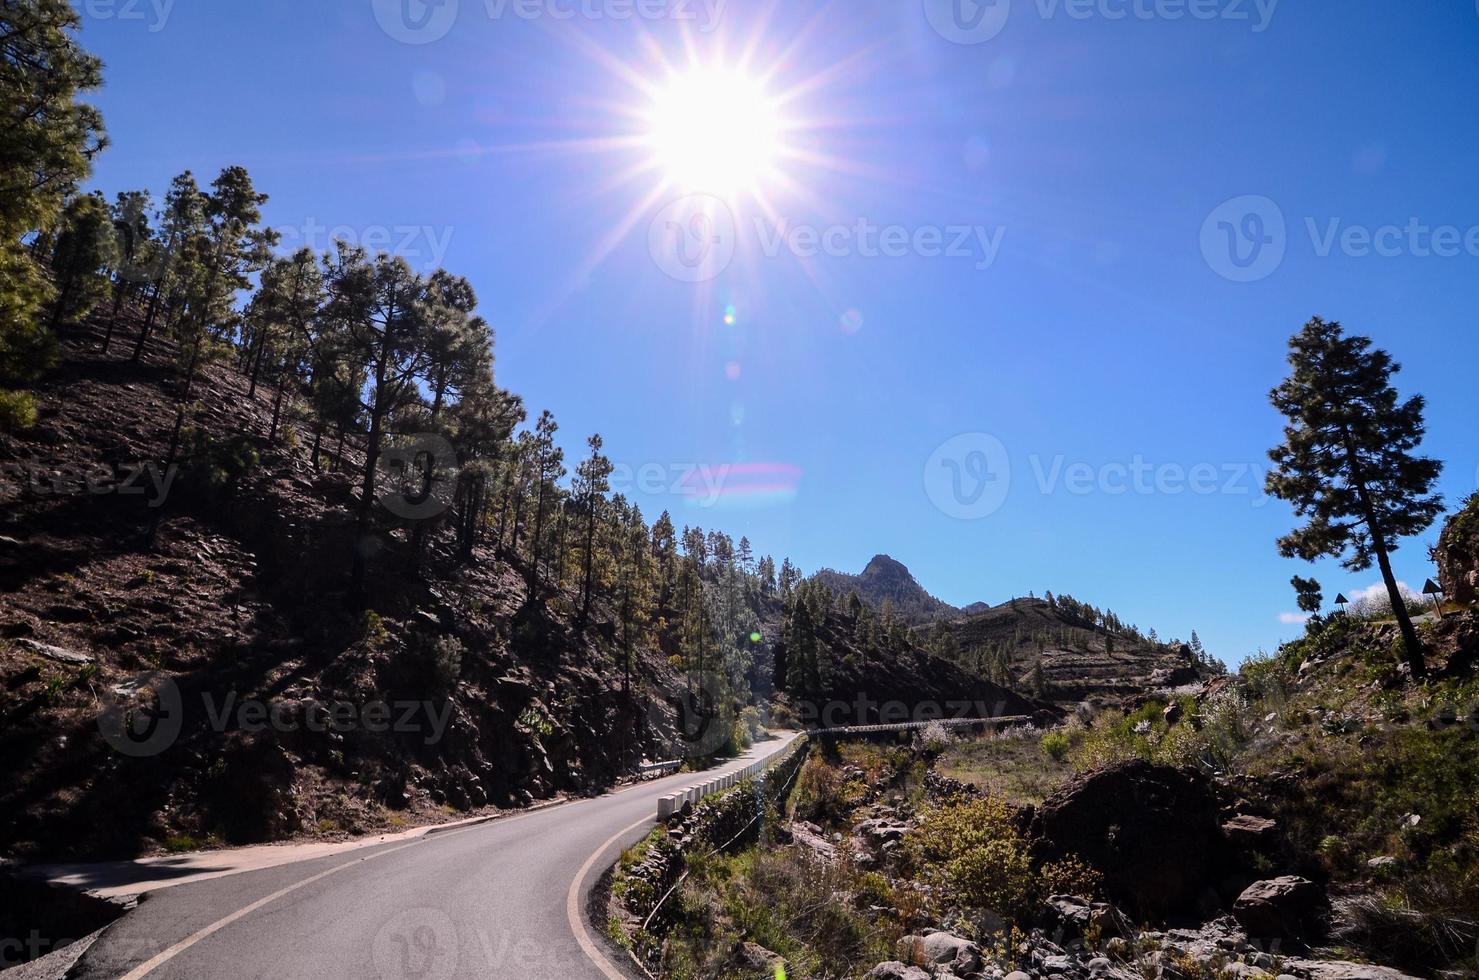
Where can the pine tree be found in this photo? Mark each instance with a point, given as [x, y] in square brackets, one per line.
[1310, 596]
[181, 220]
[1348, 464]
[136, 251]
[85, 247]
[549, 467]
[591, 484]
[459, 344]
[381, 305]
[48, 140]
[665, 554]
[279, 321]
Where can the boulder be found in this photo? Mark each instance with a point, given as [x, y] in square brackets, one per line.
[960, 956]
[1072, 917]
[894, 970]
[1153, 832]
[753, 956]
[1280, 908]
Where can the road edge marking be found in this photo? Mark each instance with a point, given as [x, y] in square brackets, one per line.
[161, 958]
[572, 905]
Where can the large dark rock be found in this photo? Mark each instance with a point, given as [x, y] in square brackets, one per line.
[1281, 908]
[1152, 831]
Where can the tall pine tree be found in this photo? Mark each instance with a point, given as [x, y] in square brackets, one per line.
[1348, 462]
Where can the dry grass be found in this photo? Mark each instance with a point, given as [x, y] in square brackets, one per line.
[1015, 768]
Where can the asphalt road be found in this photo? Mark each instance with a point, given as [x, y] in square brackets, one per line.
[500, 899]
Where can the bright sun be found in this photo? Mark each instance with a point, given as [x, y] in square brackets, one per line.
[715, 131]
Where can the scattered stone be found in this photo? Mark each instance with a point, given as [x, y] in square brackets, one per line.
[59, 654]
[894, 970]
[1384, 863]
[879, 831]
[809, 837]
[1250, 831]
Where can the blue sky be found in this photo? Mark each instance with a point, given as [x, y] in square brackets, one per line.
[1067, 308]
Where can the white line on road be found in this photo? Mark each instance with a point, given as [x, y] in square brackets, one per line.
[149, 966]
[144, 969]
[572, 906]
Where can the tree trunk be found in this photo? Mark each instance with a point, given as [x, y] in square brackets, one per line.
[258, 356]
[276, 412]
[367, 484]
[590, 550]
[318, 440]
[113, 320]
[1410, 639]
[61, 303]
[148, 326]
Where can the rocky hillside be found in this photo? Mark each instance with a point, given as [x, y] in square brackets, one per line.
[1054, 648]
[1066, 652]
[183, 661]
[867, 678]
[1311, 817]
[197, 600]
[888, 584]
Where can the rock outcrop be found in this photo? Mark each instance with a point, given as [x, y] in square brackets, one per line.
[1458, 555]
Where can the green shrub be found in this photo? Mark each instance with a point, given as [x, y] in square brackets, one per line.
[446, 662]
[1056, 745]
[972, 856]
[375, 633]
[17, 411]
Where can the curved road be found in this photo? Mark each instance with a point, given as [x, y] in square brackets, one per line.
[499, 899]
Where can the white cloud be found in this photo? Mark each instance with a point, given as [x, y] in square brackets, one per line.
[1379, 591]
[1293, 619]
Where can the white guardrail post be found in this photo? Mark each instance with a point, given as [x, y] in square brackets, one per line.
[673, 802]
